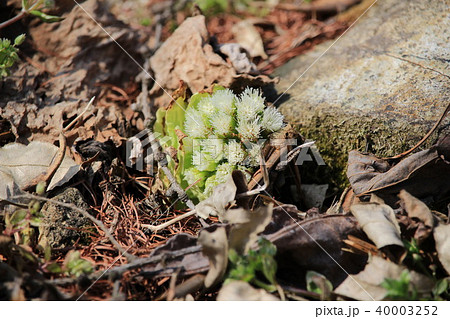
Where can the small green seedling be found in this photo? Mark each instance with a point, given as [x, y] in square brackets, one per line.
[254, 266]
[8, 54]
[401, 288]
[319, 284]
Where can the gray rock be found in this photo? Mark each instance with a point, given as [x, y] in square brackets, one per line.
[385, 82]
[63, 226]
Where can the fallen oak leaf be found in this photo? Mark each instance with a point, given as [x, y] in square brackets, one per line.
[417, 209]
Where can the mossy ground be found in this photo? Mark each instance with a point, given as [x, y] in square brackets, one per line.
[337, 135]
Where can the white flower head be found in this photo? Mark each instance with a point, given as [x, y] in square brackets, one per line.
[272, 120]
[206, 106]
[249, 130]
[222, 123]
[254, 94]
[194, 124]
[223, 101]
[249, 105]
[235, 153]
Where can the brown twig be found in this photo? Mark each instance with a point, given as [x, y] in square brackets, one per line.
[18, 17]
[137, 263]
[447, 109]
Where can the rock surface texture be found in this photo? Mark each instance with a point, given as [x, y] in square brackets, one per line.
[64, 226]
[382, 85]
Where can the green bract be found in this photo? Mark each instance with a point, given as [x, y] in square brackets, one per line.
[215, 134]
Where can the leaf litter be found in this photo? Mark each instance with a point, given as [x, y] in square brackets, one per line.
[237, 244]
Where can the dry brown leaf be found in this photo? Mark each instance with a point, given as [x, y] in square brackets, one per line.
[379, 223]
[246, 226]
[249, 38]
[20, 164]
[416, 208]
[188, 56]
[366, 284]
[317, 244]
[420, 174]
[238, 58]
[215, 247]
[442, 237]
[240, 290]
[74, 55]
[222, 198]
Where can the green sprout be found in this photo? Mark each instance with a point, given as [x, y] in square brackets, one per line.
[401, 288]
[8, 54]
[34, 8]
[255, 265]
[220, 132]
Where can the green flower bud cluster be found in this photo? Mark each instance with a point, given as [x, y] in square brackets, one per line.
[224, 132]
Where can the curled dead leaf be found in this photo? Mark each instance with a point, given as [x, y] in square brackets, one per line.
[416, 208]
[317, 244]
[215, 247]
[442, 237]
[246, 226]
[366, 285]
[20, 164]
[221, 199]
[249, 38]
[379, 223]
[420, 174]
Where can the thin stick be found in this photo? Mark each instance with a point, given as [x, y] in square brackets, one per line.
[72, 123]
[170, 222]
[137, 263]
[447, 109]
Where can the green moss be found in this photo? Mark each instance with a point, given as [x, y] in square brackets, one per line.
[336, 136]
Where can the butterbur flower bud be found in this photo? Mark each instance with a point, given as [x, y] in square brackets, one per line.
[254, 155]
[272, 120]
[217, 126]
[206, 107]
[194, 124]
[235, 152]
[250, 105]
[214, 147]
[249, 130]
[194, 176]
[223, 101]
[222, 123]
